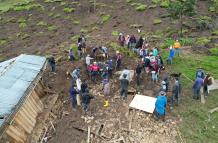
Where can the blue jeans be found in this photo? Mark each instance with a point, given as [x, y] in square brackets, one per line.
[197, 93]
[53, 67]
[73, 101]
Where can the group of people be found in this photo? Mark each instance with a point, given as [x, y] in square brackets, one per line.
[150, 62]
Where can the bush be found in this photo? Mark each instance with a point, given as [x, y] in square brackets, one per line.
[204, 22]
[215, 33]
[3, 41]
[52, 28]
[41, 23]
[157, 21]
[115, 33]
[214, 51]
[22, 25]
[68, 10]
[167, 43]
[105, 18]
[202, 41]
[155, 1]
[141, 7]
[165, 4]
[186, 41]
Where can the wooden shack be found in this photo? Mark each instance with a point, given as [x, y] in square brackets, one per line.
[21, 87]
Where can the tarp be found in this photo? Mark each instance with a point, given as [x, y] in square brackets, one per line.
[144, 103]
[16, 75]
[214, 86]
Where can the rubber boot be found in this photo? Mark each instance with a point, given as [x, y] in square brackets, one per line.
[106, 103]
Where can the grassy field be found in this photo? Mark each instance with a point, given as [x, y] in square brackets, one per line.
[197, 125]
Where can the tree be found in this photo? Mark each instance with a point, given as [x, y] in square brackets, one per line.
[180, 8]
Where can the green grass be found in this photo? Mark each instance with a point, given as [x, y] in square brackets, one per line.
[202, 41]
[5, 5]
[123, 50]
[52, 28]
[115, 33]
[141, 7]
[157, 21]
[22, 25]
[41, 23]
[68, 10]
[74, 38]
[105, 18]
[75, 22]
[3, 41]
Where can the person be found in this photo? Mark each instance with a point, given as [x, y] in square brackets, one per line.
[160, 106]
[126, 72]
[106, 89]
[52, 63]
[175, 93]
[139, 43]
[163, 86]
[121, 39]
[110, 67]
[84, 86]
[147, 64]
[82, 41]
[124, 87]
[88, 60]
[73, 94]
[166, 80]
[155, 52]
[200, 73]
[94, 51]
[132, 42]
[78, 85]
[104, 51]
[208, 80]
[79, 50]
[138, 71]
[94, 71]
[177, 47]
[76, 73]
[171, 56]
[86, 98]
[118, 60]
[71, 55]
[197, 87]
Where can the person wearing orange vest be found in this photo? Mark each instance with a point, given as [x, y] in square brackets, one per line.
[177, 47]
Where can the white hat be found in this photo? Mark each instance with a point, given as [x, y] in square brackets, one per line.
[94, 62]
[117, 52]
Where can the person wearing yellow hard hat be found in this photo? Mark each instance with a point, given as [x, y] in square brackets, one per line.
[106, 89]
[177, 47]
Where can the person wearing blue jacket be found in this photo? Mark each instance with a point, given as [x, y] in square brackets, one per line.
[160, 106]
[197, 87]
[73, 92]
[171, 55]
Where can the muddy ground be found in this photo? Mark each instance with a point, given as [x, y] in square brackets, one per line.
[71, 126]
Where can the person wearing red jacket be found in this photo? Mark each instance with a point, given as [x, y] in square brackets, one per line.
[94, 71]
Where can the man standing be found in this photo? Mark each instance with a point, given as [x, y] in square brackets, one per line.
[73, 93]
[88, 60]
[171, 56]
[106, 89]
[160, 106]
[86, 97]
[118, 60]
[71, 55]
[177, 47]
[207, 81]
[138, 71]
[124, 87]
[197, 87]
[175, 93]
[52, 63]
[75, 74]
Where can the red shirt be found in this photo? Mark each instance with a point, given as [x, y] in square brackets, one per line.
[95, 68]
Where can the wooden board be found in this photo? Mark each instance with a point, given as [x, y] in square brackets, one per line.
[144, 103]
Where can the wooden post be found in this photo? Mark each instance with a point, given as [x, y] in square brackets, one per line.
[89, 130]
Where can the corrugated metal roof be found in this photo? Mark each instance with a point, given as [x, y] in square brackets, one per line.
[16, 75]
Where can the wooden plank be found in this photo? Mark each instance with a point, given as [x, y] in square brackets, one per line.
[15, 138]
[25, 113]
[16, 134]
[24, 121]
[36, 106]
[29, 115]
[30, 107]
[213, 110]
[22, 124]
[38, 101]
[88, 139]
